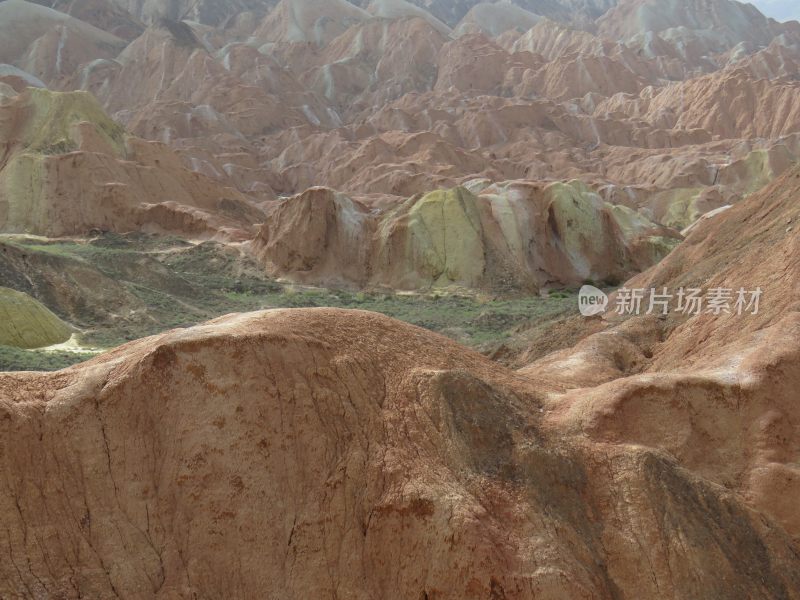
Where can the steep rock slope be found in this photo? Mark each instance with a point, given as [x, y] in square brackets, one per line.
[50, 44]
[730, 103]
[382, 102]
[399, 9]
[721, 22]
[321, 453]
[494, 19]
[208, 12]
[375, 62]
[103, 14]
[66, 168]
[315, 21]
[576, 12]
[519, 235]
[725, 383]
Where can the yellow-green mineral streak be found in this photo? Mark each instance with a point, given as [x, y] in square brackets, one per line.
[575, 208]
[682, 209]
[759, 167]
[21, 193]
[49, 129]
[53, 115]
[26, 323]
[445, 237]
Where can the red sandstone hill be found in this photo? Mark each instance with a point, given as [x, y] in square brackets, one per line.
[718, 392]
[320, 452]
[324, 453]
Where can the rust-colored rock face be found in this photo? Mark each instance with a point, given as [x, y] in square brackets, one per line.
[669, 110]
[518, 236]
[329, 453]
[718, 392]
[68, 169]
[429, 151]
[321, 453]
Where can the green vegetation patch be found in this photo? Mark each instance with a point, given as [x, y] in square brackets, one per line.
[167, 283]
[17, 359]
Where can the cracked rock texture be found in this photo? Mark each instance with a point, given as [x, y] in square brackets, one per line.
[66, 168]
[516, 236]
[322, 453]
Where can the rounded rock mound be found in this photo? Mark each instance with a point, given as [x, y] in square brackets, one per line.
[27, 323]
[320, 453]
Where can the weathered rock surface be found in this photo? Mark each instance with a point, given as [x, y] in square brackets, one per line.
[103, 14]
[729, 104]
[382, 99]
[321, 453]
[48, 43]
[494, 19]
[208, 12]
[720, 23]
[514, 236]
[314, 21]
[66, 169]
[716, 391]
[399, 9]
[332, 454]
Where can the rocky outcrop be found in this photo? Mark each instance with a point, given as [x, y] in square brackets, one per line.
[402, 9]
[66, 169]
[575, 12]
[320, 236]
[551, 40]
[728, 379]
[494, 19]
[721, 23]
[75, 290]
[313, 453]
[376, 62]
[102, 14]
[730, 104]
[331, 454]
[475, 64]
[309, 21]
[515, 236]
[381, 101]
[207, 12]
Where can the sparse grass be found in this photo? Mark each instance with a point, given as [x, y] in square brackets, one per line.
[213, 281]
[470, 321]
[15, 359]
[60, 147]
[475, 323]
